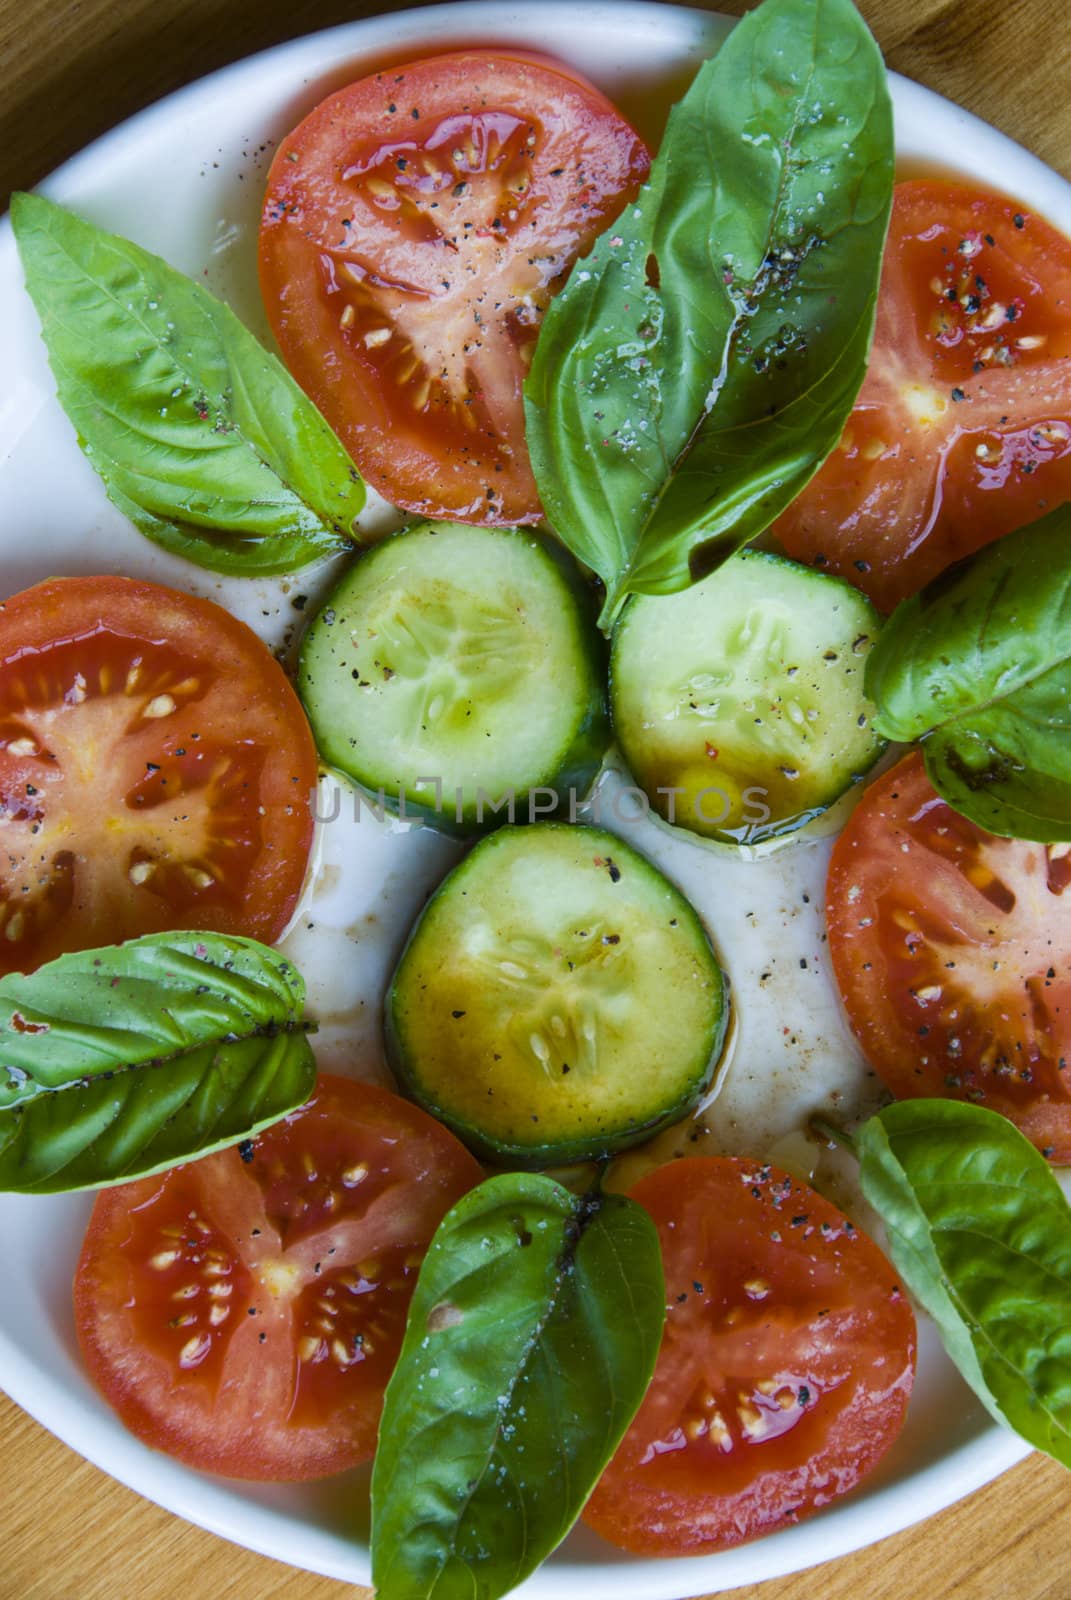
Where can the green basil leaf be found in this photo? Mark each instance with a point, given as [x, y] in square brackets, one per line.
[201, 436]
[531, 1340]
[119, 1062]
[978, 666]
[981, 1233]
[700, 364]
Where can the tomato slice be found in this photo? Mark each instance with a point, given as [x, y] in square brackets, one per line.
[952, 951]
[244, 1312]
[155, 771]
[415, 225]
[962, 430]
[785, 1369]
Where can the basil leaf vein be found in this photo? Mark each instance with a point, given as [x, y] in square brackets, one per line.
[123, 1061]
[978, 667]
[701, 362]
[980, 1231]
[531, 1340]
[200, 436]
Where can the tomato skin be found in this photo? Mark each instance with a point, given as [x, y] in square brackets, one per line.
[785, 1368]
[952, 952]
[962, 429]
[414, 227]
[156, 769]
[244, 1312]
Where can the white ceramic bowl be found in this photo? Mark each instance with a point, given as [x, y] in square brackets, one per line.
[185, 178]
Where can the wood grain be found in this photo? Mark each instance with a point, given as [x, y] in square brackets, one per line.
[73, 69]
[69, 1533]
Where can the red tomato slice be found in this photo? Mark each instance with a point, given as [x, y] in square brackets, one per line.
[155, 771]
[244, 1312]
[785, 1368]
[414, 228]
[962, 430]
[952, 952]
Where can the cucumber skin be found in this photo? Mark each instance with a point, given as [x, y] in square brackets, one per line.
[537, 1158]
[762, 833]
[563, 1153]
[582, 761]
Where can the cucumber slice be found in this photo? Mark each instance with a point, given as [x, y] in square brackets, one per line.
[557, 1000]
[739, 702]
[453, 667]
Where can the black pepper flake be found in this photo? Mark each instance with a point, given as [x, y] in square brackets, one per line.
[1019, 220]
[245, 1150]
[457, 1014]
[804, 1396]
[957, 394]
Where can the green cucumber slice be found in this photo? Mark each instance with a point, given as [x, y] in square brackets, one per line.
[557, 1000]
[739, 704]
[454, 667]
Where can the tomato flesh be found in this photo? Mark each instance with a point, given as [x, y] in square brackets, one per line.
[155, 771]
[415, 226]
[244, 1312]
[962, 430]
[785, 1367]
[952, 952]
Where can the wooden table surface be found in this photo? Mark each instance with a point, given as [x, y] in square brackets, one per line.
[75, 68]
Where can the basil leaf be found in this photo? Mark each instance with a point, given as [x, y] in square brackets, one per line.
[201, 436]
[981, 1233]
[531, 1340]
[119, 1062]
[978, 666]
[701, 362]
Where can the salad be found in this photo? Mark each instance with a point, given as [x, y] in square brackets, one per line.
[559, 1005]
